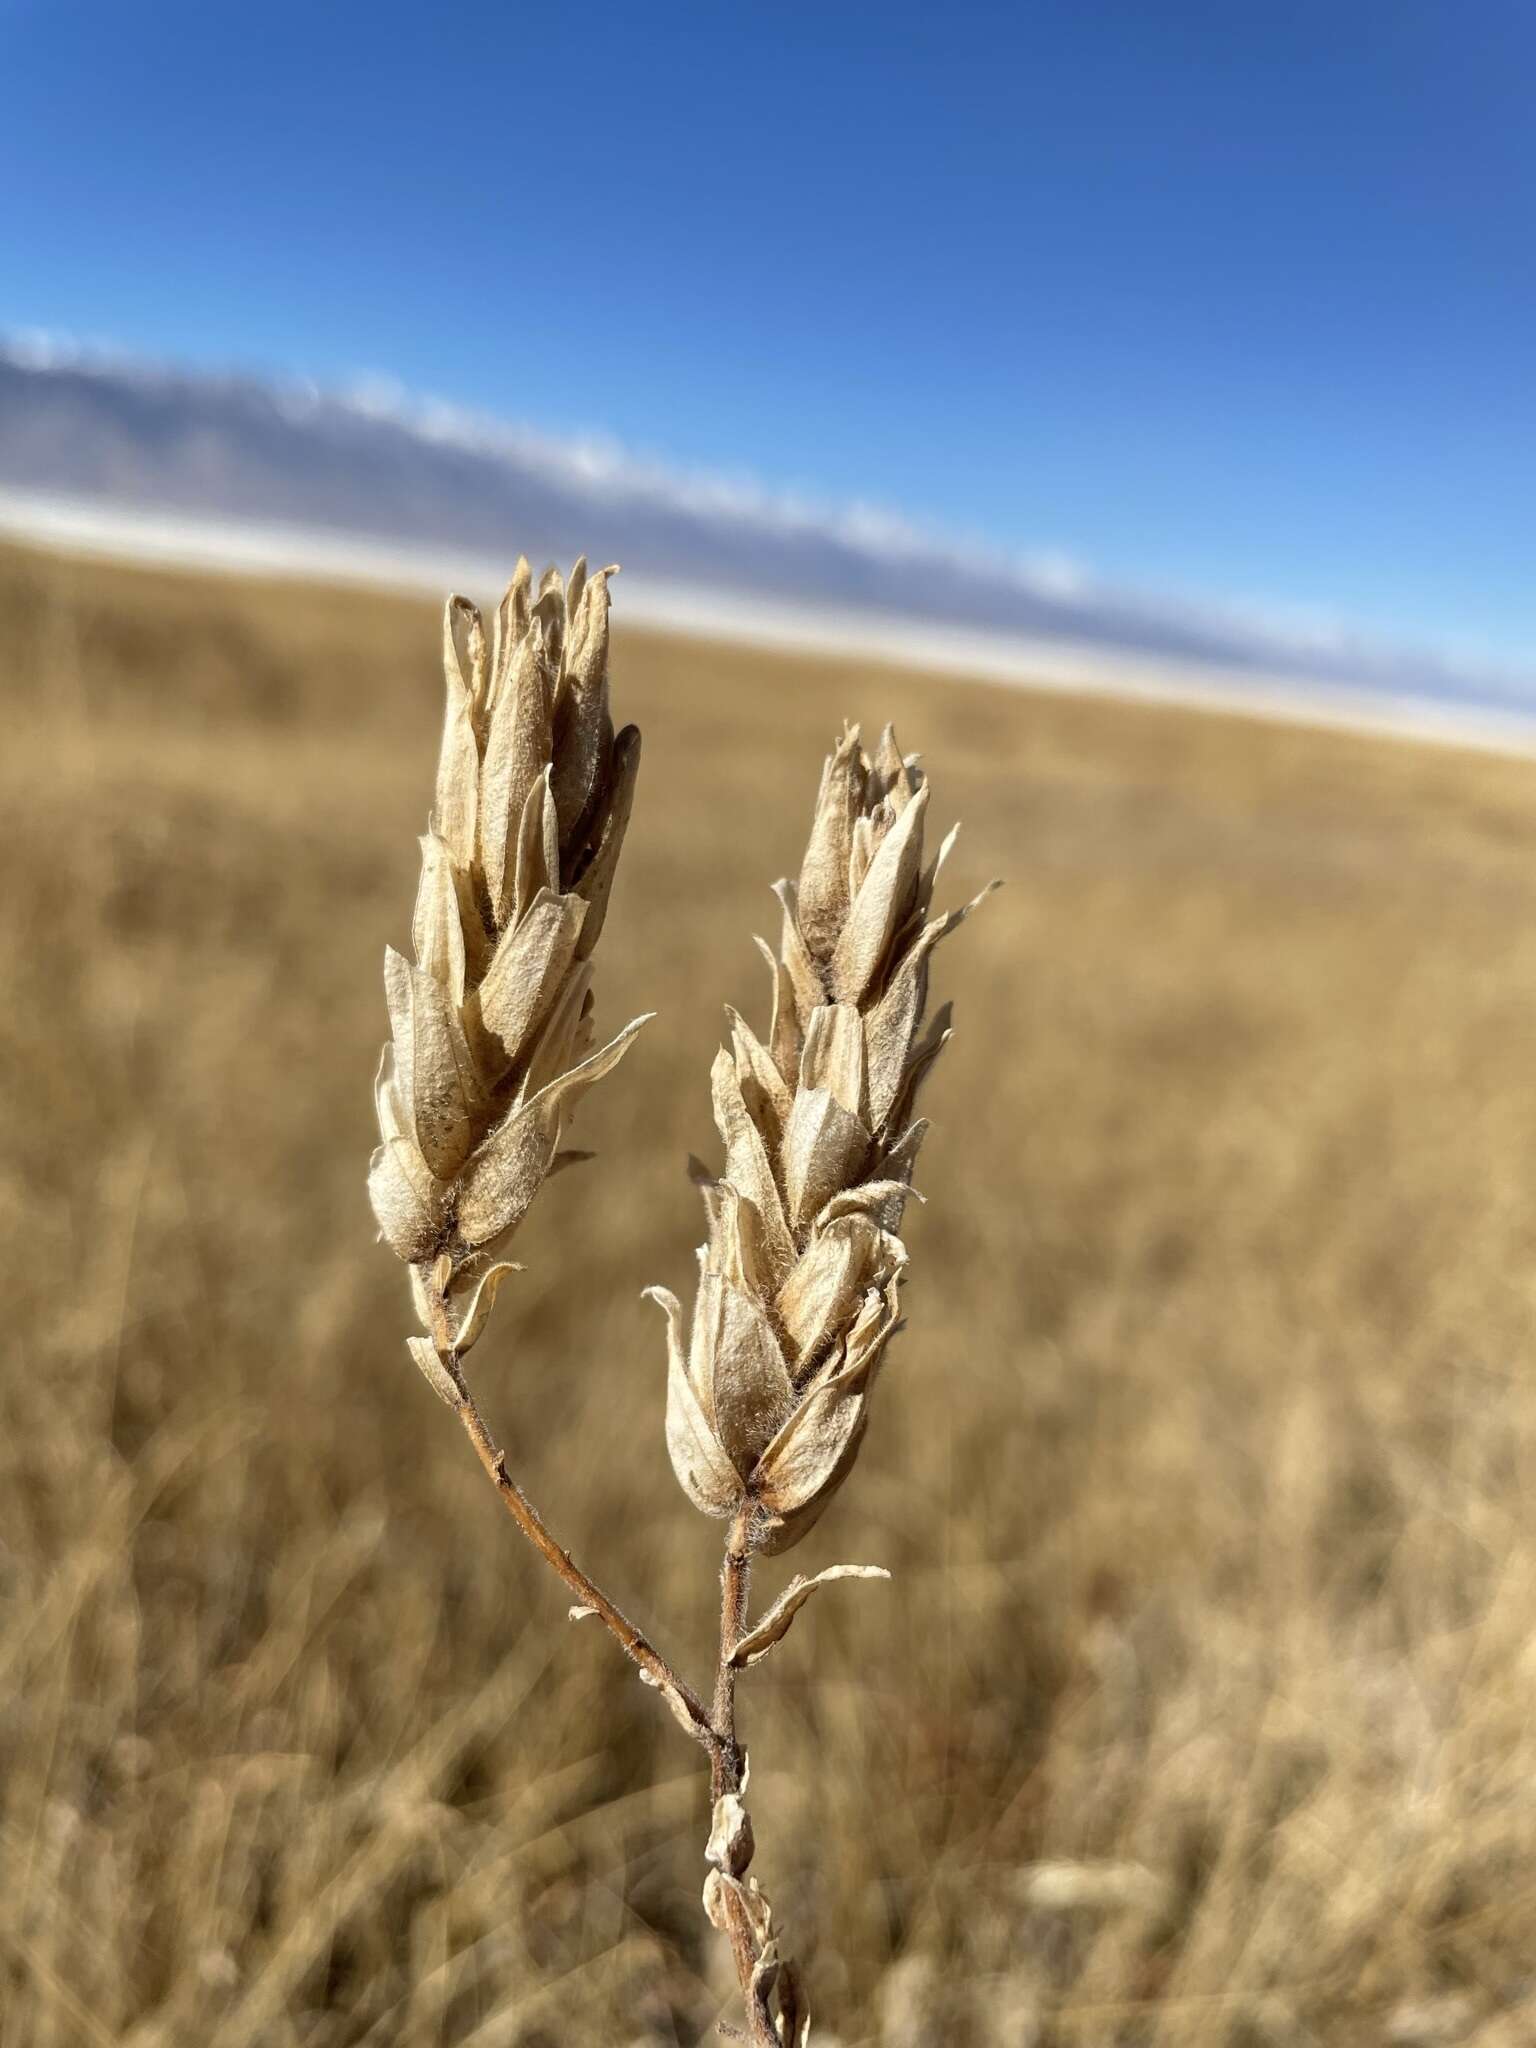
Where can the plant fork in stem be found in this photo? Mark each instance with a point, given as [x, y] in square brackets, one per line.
[654, 1668]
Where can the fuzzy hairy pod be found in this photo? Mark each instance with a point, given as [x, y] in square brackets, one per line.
[491, 1025]
[768, 1392]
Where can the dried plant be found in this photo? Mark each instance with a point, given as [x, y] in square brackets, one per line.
[797, 1298]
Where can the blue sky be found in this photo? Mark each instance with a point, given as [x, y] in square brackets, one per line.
[1228, 301]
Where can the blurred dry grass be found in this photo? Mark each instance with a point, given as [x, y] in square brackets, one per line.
[1204, 1471]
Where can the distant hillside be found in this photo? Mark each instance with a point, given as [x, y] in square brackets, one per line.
[236, 449]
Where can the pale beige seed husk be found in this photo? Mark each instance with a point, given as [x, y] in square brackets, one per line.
[800, 1279]
[492, 1040]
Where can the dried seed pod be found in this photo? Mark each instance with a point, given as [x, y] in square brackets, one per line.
[798, 1292]
[491, 1031]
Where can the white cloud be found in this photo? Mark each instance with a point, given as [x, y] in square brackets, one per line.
[1066, 597]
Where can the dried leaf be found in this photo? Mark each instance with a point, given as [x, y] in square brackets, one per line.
[512, 616]
[517, 753]
[436, 1080]
[825, 1148]
[479, 675]
[386, 1098]
[434, 1372]
[805, 977]
[760, 1639]
[834, 1055]
[458, 768]
[893, 1068]
[583, 733]
[890, 1027]
[894, 1170]
[525, 976]
[828, 1281]
[681, 1712]
[735, 1248]
[763, 1089]
[877, 1322]
[406, 1200]
[918, 1067]
[747, 1165]
[892, 779]
[935, 868]
[703, 1470]
[865, 841]
[576, 583]
[869, 1199]
[437, 930]
[507, 1172]
[735, 1363]
[536, 864]
[568, 1088]
[555, 1049]
[813, 1452]
[477, 1311]
[885, 896]
[468, 1292]
[784, 1032]
[595, 883]
[823, 892]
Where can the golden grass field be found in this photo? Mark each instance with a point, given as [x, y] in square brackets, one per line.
[1200, 1709]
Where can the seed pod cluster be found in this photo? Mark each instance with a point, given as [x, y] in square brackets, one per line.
[491, 1023]
[768, 1398]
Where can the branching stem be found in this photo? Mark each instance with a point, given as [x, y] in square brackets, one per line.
[714, 1728]
[634, 1643]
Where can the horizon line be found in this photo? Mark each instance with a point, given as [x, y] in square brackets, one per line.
[596, 463]
[88, 529]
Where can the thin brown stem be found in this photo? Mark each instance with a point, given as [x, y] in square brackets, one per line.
[735, 1584]
[630, 1639]
[727, 1761]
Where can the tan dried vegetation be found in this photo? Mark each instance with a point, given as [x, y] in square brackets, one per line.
[1196, 1711]
[489, 1054]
